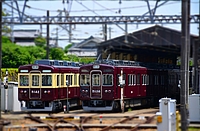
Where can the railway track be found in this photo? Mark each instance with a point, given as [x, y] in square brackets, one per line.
[82, 121]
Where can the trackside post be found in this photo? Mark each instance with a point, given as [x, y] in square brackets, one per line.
[100, 119]
[122, 90]
[166, 117]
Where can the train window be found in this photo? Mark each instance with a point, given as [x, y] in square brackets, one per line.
[35, 80]
[145, 79]
[75, 79]
[151, 79]
[108, 79]
[156, 80]
[85, 80]
[95, 79]
[162, 80]
[24, 80]
[62, 80]
[131, 80]
[138, 79]
[69, 78]
[172, 79]
[134, 79]
[58, 80]
[46, 80]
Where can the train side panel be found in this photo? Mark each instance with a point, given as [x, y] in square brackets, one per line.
[43, 87]
[108, 85]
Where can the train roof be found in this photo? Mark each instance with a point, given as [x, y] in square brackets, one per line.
[57, 63]
[51, 66]
[135, 64]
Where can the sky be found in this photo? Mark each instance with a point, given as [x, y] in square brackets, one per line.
[98, 8]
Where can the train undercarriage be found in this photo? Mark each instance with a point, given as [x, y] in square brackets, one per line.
[48, 106]
[114, 105]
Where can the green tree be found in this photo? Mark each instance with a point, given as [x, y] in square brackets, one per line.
[67, 47]
[40, 41]
[56, 53]
[35, 53]
[15, 55]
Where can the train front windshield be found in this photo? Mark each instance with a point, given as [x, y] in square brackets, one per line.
[24, 80]
[34, 80]
[85, 80]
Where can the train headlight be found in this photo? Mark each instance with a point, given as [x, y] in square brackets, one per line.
[24, 91]
[21, 91]
[86, 91]
[109, 91]
[83, 91]
[96, 66]
[106, 91]
[49, 91]
[45, 91]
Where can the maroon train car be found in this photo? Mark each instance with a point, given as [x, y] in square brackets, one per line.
[42, 86]
[114, 85]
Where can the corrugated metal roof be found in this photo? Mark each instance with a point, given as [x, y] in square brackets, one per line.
[25, 33]
[26, 43]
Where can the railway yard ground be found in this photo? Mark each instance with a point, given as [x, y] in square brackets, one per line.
[78, 120]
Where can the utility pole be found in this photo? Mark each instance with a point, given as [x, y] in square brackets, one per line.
[47, 51]
[105, 32]
[12, 25]
[56, 37]
[109, 32]
[184, 65]
[70, 33]
[198, 45]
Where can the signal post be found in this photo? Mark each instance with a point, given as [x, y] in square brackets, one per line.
[121, 82]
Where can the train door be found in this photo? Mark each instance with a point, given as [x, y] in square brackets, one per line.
[138, 83]
[58, 85]
[96, 84]
[35, 85]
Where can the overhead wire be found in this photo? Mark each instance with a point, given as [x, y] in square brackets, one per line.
[110, 9]
[113, 22]
[157, 35]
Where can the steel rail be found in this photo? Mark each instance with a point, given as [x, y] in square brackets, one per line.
[64, 121]
[40, 121]
[84, 120]
[124, 120]
[134, 19]
[147, 121]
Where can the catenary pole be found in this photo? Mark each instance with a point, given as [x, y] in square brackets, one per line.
[47, 48]
[198, 46]
[184, 65]
[0, 51]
